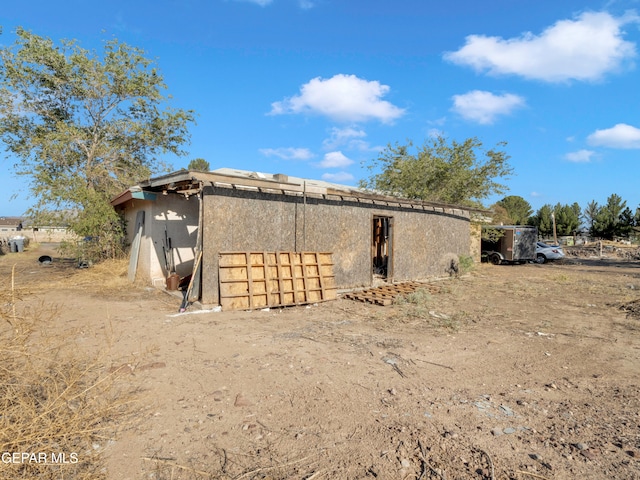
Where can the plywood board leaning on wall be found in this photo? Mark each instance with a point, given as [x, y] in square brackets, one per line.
[251, 280]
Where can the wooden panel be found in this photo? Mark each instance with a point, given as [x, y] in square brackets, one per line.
[135, 246]
[251, 280]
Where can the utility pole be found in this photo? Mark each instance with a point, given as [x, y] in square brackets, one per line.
[555, 236]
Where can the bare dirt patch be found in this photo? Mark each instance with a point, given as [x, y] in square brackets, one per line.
[510, 372]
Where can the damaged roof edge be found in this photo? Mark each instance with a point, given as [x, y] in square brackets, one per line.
[132, 193]
[276, 182]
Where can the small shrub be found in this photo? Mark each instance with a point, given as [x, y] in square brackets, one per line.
[453, 322]
[420, 297]
[415, 304]
[466, 263]
[561, 278]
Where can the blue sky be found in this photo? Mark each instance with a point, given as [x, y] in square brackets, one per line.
[316, 88]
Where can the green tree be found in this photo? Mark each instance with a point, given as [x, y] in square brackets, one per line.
[84, 126]
[199, 165]
[458, 173]
[627, 222]
[518, 208]
[567, 218]
[589, 215]
[607, 223]
[542, 219]
[500, 215]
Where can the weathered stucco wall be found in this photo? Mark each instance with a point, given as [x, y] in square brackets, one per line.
[476, 242]
[179, 218]
[239, 220]
[129, 211]
[423, 243]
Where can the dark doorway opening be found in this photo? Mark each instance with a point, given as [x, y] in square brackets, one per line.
[381, 247]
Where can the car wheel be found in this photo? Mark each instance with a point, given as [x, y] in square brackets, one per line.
[540, 258]
[495, 259]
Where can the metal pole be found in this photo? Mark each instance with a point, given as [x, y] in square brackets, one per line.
[304, 216]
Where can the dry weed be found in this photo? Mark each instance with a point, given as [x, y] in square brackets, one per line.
[58, 408]
[229, 465]
[110, 275]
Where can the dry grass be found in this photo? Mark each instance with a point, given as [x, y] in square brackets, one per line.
[420, 306]
[110, 274]
[63, 272]
[58, 408]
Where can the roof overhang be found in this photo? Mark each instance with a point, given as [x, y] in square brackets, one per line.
[191, 182]
[133, 193]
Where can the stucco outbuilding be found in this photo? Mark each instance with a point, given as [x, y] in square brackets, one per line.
[190, 215]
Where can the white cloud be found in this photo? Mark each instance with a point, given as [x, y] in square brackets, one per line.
[435, 133]
[619, 136]
[484, 107]
[349, 136]
[581, 156]
[535, 194]
[339, 177]
[581, 49]
[344, 98]
[335, 160]
[288, 153]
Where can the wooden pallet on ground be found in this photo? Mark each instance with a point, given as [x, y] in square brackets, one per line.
[386, 294]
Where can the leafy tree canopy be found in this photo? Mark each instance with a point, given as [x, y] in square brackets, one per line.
[84, 126]
[457, 173]
[518, 209]
[199, 164]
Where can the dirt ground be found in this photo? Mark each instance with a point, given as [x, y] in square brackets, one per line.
[509, 372]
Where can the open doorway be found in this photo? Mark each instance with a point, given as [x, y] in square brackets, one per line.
[381, 247]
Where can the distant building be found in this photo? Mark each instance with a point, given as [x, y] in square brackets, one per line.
[10, 225]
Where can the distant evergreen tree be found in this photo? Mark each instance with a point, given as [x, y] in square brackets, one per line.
[199, 165]
[518, 209]
[542, 219]
[589, 215]
[567, 218]
[627, 222]
[608, 222]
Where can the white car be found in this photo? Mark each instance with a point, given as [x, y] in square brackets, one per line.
[545, 252]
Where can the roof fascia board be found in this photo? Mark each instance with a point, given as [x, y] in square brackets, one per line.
[264, 183]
